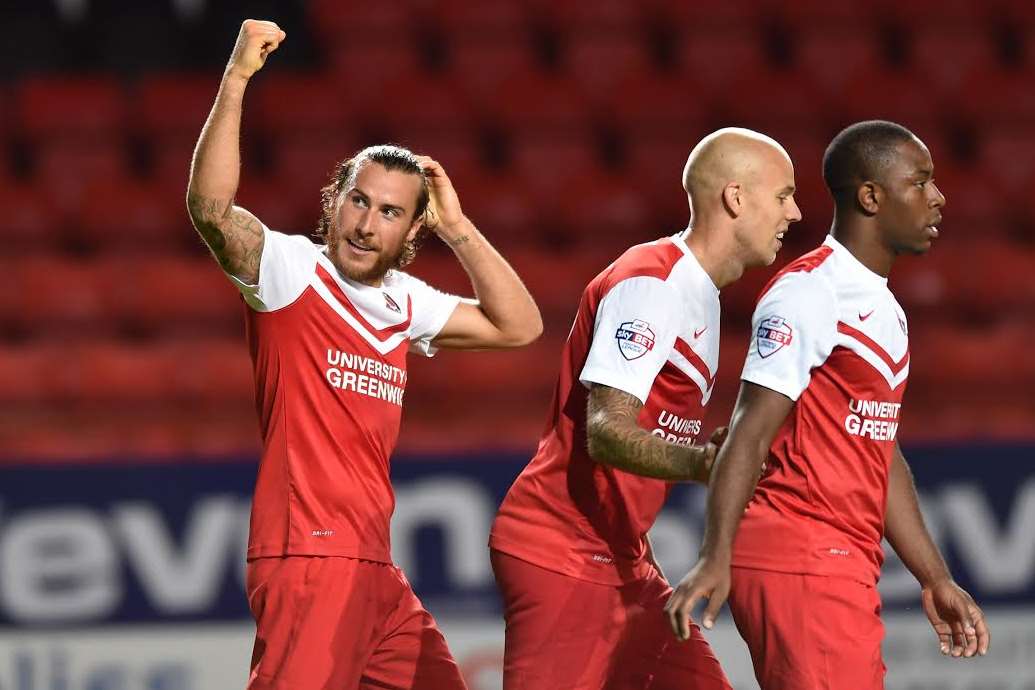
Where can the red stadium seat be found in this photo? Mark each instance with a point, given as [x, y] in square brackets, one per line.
[916, 103]
[615, 16]
[65, 107]
[334, 23]
[769, 98]
[599, 63]
[829, 56]
[1007, 158]
[484, 63]
[457, 18]
[549, 164]
[737, 50]
[305, 165]
[56, 298]
[608, 211]
[997, 99]
[658, 103]
[656, 166]
[500, 205]
[66, 168]
[301, 104]
[30, 222]
[431, 106]
[944, 56]
[536, 102]
[181, 296]
[972, 199]
[276, 203]
[366, 64]
[128, 215]
[173, 105]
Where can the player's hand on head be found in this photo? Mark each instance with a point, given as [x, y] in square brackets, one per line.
[957, 620]
[444, 210]
[709, 580]
[256, 40]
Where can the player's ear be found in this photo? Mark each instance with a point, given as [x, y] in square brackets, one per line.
[732, 199]
[869, 195]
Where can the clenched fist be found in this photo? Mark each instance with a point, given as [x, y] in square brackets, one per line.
[254, 44]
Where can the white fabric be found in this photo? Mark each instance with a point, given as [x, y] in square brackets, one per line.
[288, 266]
[810, 305]
[646, 307]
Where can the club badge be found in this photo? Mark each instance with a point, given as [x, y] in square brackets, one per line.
[635, 339]
[773, 334]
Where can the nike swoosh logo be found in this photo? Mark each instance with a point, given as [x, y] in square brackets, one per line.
[697, 334]
[863, 317]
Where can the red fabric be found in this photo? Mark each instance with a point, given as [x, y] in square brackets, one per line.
[824, 494]
[566, 511]
[321, 490]
[342, 623]
[568, 634]
[809, 632]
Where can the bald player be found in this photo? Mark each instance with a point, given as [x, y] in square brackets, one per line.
[820, 405]
[582, 591]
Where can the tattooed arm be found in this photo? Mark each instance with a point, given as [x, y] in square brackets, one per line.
[616, 439]
[233, 234]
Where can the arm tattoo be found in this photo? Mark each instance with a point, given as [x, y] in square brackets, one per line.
[233, 234]
[456, 241]
[616, 439]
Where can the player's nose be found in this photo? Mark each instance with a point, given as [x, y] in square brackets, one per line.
[795, 213]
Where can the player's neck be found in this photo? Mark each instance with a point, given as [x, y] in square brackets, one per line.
[864, 246]
[718, 261]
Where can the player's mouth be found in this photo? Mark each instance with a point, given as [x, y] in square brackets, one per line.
[932, 229]
[359, 247]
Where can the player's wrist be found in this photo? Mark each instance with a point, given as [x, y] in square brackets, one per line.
[237, 76]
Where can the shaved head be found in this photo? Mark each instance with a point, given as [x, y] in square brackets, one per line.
[727, 155]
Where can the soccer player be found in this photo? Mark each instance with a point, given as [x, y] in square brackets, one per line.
[820, 404]
[583, 594]
[329, 326]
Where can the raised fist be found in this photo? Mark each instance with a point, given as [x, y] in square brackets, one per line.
[254, 44]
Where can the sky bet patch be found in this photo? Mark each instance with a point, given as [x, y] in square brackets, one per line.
[773, 333]
[635, 339]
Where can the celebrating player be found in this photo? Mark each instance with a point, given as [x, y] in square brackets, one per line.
[583, 594]
[329, 326]
[820, 403]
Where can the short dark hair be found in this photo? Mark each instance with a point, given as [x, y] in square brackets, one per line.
[861, 152]
[390, 157]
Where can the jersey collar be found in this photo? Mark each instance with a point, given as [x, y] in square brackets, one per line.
[853, 265]
[702, 276]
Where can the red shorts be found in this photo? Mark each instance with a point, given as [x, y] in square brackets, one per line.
[331, 622]
[809, 632]
[571, 634]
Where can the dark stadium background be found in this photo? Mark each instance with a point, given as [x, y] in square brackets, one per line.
[128, 437]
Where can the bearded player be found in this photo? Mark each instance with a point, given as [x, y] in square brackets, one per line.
[329, 326]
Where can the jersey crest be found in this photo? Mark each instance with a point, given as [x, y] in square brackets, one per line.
[773, 334]
[635, 339]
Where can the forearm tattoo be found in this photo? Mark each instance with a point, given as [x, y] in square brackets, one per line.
[234, 235]
[616, 439]
[456, 241]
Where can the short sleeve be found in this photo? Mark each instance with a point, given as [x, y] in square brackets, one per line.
[794, 328]
[285, 270]
[635, 329]
[431, 310]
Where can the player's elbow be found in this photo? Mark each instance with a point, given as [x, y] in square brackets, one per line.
[524, 334]
[600, 439]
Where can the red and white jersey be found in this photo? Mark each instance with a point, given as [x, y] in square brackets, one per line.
[329, 358]
[829, 335]
[647, 325]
